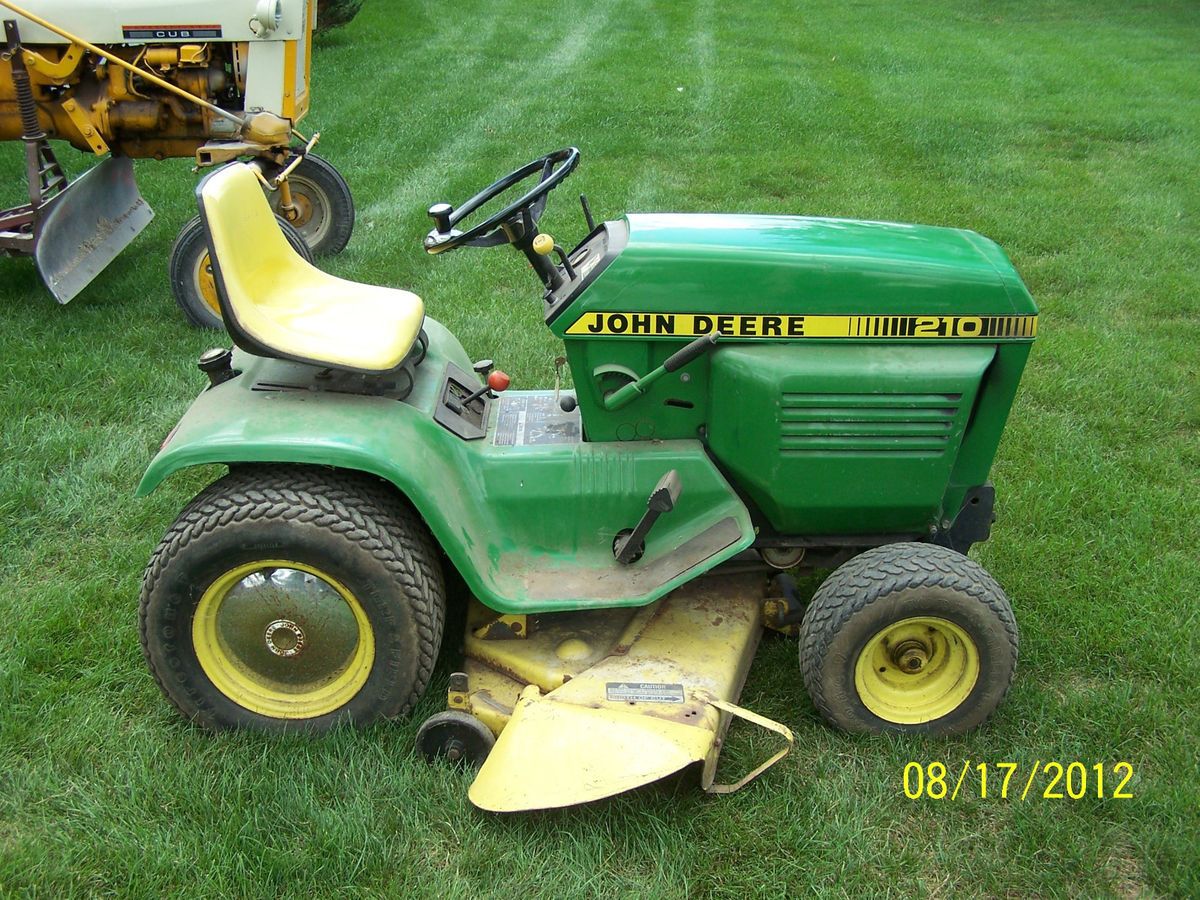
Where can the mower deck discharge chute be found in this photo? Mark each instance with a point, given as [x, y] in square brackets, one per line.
[751, 394]
[615, 699]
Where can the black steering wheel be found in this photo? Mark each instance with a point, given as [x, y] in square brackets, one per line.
[510, 225]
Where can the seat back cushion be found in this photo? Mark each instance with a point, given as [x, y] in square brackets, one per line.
[249, 249]
[276, 304]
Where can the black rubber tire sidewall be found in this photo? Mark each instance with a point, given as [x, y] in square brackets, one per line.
[189, 250]
[848, 611]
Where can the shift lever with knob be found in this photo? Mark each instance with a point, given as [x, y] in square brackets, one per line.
[495, 383]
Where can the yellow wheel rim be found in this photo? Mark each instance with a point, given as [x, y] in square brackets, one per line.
[206, 284]
[312, 205]
[283, 639]
[304, 209]
[916, 670]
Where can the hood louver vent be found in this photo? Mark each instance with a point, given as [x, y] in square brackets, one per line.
[910, 425]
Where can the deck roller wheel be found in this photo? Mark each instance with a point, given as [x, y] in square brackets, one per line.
[192, 279]
[455, 736]
[908, 637]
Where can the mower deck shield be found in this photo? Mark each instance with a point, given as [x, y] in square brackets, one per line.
[86, 226]
[580, 720]
[555, 754]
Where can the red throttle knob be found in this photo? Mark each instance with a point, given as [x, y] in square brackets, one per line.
[498, 381]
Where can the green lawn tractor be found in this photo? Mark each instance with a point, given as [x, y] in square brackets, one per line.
[751, 395]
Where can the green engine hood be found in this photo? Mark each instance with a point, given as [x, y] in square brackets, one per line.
[793, 264]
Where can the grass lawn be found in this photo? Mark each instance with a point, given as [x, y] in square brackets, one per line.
[1067, 131]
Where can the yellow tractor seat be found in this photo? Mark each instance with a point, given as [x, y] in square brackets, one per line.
[276, 304]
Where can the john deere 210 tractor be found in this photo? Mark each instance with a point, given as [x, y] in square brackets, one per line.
[215, 80]
[751, 393]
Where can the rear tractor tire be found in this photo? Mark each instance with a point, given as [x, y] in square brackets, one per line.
[292, 599]
[908, 637]
[192, 279]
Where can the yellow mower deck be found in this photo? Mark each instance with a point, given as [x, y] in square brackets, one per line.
[590, 704]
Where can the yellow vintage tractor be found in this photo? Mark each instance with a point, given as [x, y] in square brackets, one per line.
[218, 80]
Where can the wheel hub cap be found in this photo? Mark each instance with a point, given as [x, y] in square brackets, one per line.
[312, 209]
[283, 639]
[206, 284]
[916, 670]
[303, 210]
[910, 656]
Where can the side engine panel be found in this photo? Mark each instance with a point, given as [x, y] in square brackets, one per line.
[844, 439]
[162, 21]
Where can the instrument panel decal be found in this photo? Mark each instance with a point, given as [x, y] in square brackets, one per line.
[533, 420]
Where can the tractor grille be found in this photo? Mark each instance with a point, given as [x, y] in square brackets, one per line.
[902, 425]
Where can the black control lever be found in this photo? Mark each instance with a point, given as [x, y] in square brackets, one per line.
[496, 382]
[626, 394]
[440, 213]
[628, 548]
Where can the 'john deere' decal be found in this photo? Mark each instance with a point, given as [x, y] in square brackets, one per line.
[637, 324]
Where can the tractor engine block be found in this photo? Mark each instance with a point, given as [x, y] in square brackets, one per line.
[97, 106]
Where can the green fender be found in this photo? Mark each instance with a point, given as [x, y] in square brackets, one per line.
[530, 528]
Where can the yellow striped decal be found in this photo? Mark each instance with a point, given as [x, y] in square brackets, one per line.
[642, 324]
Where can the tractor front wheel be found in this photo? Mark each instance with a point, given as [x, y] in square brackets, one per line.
[288, 598]
[908, 637]
[324, 208]
[192, 279]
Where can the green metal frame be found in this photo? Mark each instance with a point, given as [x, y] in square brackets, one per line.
[848, 435]
[529, 528]
[737, 396]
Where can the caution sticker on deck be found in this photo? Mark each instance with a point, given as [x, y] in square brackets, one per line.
[643, 692]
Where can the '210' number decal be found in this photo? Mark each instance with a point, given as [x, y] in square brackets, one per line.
[948, 326]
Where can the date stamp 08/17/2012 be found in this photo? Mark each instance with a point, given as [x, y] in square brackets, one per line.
[1051, 780]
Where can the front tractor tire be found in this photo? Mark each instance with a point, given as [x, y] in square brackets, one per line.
[192, 281]
[324, 207]
[908, 637]
[289, 598]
